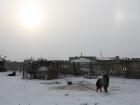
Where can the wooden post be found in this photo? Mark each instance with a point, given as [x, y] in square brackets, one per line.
[23, 71]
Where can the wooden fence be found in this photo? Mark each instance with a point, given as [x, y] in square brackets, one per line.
[126, 67]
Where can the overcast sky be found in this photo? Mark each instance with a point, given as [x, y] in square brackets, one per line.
[70, 27]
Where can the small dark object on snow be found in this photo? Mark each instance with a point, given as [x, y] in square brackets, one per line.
[96, 103]
[84, 104]
[12, 74]
[69, 82]
[66, 94]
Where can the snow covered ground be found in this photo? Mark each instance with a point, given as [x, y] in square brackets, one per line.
[17, 91]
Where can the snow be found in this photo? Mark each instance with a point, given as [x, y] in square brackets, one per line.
[81, 60]
[15, 91]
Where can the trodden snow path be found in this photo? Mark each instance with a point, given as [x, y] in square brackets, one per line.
[15, 91]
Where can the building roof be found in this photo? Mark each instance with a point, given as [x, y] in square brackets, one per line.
[81, 60]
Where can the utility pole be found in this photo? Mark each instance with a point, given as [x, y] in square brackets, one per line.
[101, 54]
[81, 55]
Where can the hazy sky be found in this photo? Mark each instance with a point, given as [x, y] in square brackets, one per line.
[70, 27]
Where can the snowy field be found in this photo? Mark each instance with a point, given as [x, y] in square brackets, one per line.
[17, 91]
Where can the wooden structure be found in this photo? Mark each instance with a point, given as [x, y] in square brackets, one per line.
[37, 69]
[127, 67]
[2, 65]
[133, 68]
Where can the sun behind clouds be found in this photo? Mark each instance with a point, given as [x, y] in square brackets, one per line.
[30, 14]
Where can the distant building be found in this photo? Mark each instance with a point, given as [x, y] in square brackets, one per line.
[81, 64]
[82, 58]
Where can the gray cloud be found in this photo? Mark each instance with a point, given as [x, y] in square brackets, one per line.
[72, 27]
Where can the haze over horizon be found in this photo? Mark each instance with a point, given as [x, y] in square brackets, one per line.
[64, 28]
